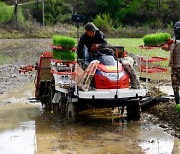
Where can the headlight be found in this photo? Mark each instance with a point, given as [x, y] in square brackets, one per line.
[113, 76]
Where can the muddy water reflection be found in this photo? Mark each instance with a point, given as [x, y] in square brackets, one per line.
[95, 134]
[18, 140]
[25, 129]
[33, 132]
[154, 140]
[88, 135]
[17, 128]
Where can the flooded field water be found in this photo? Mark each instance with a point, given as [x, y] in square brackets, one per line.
[25, 128]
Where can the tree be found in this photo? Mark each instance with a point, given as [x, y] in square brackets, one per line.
[55, 11]
[170, 11]
[104, 22]
[155, 13]
[88, 8]
[131, 12]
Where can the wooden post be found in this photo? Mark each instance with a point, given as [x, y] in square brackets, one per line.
[37, 2]
[16, 13]
[159, 10]
[43, 13]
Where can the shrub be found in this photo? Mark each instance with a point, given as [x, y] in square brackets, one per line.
[20, 15]
[6, 12]
[104, 22]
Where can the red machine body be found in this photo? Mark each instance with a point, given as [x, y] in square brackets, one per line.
[111, 77]
[43, 75]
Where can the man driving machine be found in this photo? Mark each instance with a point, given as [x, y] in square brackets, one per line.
[91, 41]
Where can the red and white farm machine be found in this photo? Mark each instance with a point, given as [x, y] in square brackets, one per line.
[63, 84]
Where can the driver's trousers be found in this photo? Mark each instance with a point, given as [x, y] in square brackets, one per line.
[87, 57]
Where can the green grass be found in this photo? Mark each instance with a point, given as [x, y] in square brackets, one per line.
[5, 59]
[132, 46]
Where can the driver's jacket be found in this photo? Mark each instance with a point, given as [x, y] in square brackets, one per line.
[88, 41]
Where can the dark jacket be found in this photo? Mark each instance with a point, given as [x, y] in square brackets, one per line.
[88, 41]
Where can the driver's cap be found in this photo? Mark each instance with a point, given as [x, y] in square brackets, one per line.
[90, 27]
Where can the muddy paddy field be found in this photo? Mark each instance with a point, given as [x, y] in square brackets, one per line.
[25, 127]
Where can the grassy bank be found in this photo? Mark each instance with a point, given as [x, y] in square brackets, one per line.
[5, 59]
[34, 30]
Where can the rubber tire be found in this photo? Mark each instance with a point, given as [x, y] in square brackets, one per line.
[62, 104]
[134, 111]
[71, 111]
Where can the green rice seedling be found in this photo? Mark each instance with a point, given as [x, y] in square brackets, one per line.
[156, 39]
[178, 107]
[64, 55]
[64, 41]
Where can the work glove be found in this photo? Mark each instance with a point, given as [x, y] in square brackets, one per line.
[178, 107]
[170, 41]
[165, 47]
[95, 47]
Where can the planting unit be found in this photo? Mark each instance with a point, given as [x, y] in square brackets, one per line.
[145, 68]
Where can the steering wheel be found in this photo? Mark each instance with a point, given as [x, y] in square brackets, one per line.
[104, 51]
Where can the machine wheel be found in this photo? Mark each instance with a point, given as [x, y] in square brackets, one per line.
[46, 92]
[62, 104]
[133, 110]
[71, 111]
[56, 107]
